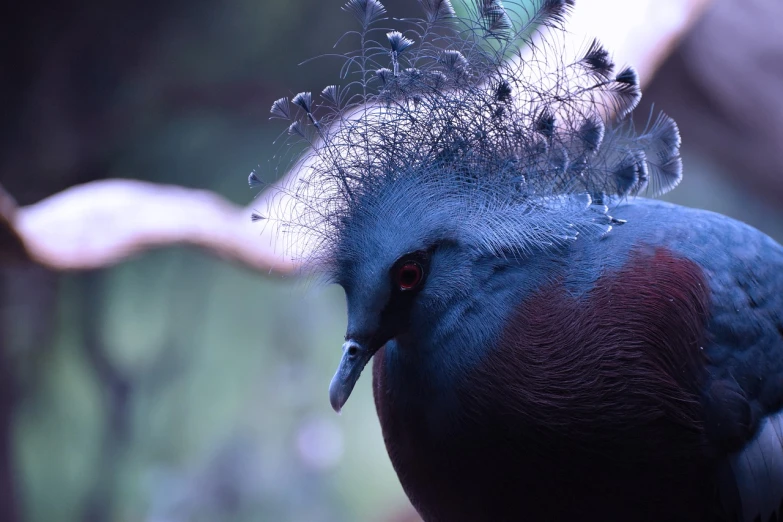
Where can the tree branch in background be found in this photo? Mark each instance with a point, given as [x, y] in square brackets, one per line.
[121, 387]
[103, 222]
[12, 246]
[8, 485]
[117, 387]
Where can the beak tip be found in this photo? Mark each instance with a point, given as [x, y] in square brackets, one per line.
[336, 406]
[336, 398]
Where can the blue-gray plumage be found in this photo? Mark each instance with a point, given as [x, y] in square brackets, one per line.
[547, 345]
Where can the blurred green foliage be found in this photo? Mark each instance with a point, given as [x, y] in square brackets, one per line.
[228, 377]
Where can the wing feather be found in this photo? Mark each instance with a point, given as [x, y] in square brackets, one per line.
[757, 474]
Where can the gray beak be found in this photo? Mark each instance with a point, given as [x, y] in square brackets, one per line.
[355, 358]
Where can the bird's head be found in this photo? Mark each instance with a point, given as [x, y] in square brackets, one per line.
[446, 150]
[400, 261]
[412, 249]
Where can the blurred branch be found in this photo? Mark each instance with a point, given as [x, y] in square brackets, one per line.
[725, 95]
[11, 245]
[8, 487]
[641, 33]
[120, 387]
[117, 388]
[101, 223]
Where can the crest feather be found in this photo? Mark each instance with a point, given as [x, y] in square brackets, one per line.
[444, 110]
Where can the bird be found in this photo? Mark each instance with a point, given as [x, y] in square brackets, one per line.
[549, 342]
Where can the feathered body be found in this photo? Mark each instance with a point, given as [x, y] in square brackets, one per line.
[548, 346]
[616, 379]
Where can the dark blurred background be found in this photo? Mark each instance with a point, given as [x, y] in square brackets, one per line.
[178, 387]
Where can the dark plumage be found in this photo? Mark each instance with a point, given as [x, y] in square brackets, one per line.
[612, 392]
[548, 345]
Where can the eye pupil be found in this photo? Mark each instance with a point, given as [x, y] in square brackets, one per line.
[409, 276]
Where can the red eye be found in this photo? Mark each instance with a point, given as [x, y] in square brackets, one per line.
[409, 275]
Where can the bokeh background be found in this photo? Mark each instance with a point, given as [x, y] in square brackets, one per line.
[179, 387]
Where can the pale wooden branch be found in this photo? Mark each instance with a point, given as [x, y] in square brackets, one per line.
[641, 33]
[103, 222]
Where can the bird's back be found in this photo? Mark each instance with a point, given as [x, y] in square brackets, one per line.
[743, 392]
